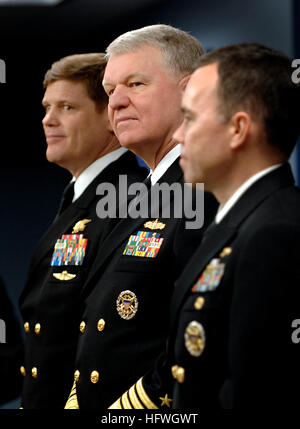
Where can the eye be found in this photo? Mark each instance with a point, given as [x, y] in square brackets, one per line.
[135, 84]
[187, 119]
[110, 91]
[67, 107]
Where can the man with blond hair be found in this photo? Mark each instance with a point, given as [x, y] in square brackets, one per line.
[80, 139]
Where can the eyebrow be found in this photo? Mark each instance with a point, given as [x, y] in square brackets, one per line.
[46, 102]
[135, 75]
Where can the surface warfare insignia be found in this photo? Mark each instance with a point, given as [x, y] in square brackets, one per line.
[69, 250]
[64, 276]
[80, 225]
[127, 304]
[154, 224]
[210, 277]
[194, 338]
[144, 244]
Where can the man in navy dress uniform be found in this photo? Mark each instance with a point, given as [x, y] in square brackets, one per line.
[234, 308]
[80, 139]
[128, 293]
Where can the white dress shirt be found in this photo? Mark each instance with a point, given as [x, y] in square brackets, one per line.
[89, 174]
[164, 164]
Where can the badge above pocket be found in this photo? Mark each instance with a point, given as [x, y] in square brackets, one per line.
[64, 276]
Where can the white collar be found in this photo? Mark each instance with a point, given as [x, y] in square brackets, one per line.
[241, 190]
[89, 174]
[164, 164]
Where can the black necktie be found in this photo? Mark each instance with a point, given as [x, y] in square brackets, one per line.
[67, 198]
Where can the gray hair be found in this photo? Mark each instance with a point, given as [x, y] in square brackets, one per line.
[180, 50]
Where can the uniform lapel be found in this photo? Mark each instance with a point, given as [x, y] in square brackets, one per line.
[215, 242]
[224, 232]
[76, 210]
[127, 226]
[62, 224]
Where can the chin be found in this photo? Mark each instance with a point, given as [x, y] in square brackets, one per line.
[192, 179]
[129, 143]
[54, 157]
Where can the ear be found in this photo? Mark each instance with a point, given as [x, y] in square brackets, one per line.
[183, 82]
[239, 129]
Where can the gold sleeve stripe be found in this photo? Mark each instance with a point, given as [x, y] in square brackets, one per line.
[72, 403]
[116, 405]
[134, 399]
[143, 396]
[125, 401]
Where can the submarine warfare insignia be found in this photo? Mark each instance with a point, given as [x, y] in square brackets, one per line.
[127, 304]
[69, 250]
[154, 224]
[80, 225]
[64, 276]
[211, 277]
[194, 338]
[144, 244]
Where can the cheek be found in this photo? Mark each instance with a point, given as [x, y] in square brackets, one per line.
[110, 113]
[192, 141]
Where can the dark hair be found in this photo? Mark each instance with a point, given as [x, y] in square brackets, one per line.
[88, 68]
[259, 79]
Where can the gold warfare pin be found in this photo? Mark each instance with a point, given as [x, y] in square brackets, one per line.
[154, 224]
[225, 252]
[80, 225]
[64, 276]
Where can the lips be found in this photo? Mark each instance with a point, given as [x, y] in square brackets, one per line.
[124, 119]
[54, 137]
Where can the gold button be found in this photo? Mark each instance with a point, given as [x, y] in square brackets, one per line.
[82, 326]
[37, 328]
[178, 373]
[76, 375]
[199, 302]
[174, 371]
[23, 371]
[34, 372]
[94, 377]
[100, 324]
[26, 327]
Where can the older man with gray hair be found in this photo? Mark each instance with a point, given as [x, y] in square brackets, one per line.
[125, 317]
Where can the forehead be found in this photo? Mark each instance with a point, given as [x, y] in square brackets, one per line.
[146, 60]
[201, 86]
[65, 88]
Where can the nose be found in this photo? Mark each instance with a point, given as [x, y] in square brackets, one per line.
[119, 98]
[179, 134]
[50, 118]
